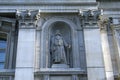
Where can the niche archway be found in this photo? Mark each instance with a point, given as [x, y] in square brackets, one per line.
[66, 34]
[69, 31]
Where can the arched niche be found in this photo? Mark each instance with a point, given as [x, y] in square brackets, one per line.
[64, 29]
[69, 32]
[66, 34]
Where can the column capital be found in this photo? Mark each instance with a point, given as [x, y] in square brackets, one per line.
[27, 14]
[89, 17]
[27, 18]
[103, 22]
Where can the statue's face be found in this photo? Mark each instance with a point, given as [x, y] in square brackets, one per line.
[58, 36]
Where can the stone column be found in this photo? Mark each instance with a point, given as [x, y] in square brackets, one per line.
[93, 47]
[103, 24]
[116, 36]
[26, 46]
[95, 65]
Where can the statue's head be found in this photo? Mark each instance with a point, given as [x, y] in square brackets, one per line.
[57, 32]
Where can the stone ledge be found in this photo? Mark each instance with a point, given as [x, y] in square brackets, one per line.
[7, 72]
[49, 3]
[60, 71]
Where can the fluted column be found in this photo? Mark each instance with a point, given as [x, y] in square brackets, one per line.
[103, 24]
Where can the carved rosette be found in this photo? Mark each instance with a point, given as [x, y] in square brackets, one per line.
[27, 18]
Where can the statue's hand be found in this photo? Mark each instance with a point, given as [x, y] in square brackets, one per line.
[69, 46]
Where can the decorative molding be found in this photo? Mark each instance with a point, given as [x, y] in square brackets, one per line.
[67, 5]
[50, 3]
[60, 71]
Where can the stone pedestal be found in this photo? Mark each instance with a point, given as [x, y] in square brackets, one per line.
[60, 73]
[60, 66]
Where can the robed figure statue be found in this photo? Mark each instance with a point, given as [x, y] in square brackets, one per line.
[59, 49]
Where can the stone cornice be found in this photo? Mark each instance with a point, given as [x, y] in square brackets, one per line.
[50, 3]
[60, 71]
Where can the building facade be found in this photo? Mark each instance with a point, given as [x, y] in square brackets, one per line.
[59, 40]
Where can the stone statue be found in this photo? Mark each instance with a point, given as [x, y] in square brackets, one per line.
[58, 49]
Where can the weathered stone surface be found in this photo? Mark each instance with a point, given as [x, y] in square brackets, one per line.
[24, 73]
[50, 1]
[93, 48]
[25, 55]
[60, 78]
[85, 40]
[95, 65]
[105, 47]
[26, 48]
[96, 74]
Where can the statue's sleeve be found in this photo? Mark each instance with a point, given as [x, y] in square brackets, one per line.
[52, 44]
[65, 43]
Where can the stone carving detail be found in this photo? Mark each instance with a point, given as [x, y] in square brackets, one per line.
[28, 14]
[58, 45]
[89, 16]
[27, 18]
[103, 23]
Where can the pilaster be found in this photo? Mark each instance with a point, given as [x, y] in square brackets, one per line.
[116, 36]
[92, 39]
[104, 24]
[26, 45]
